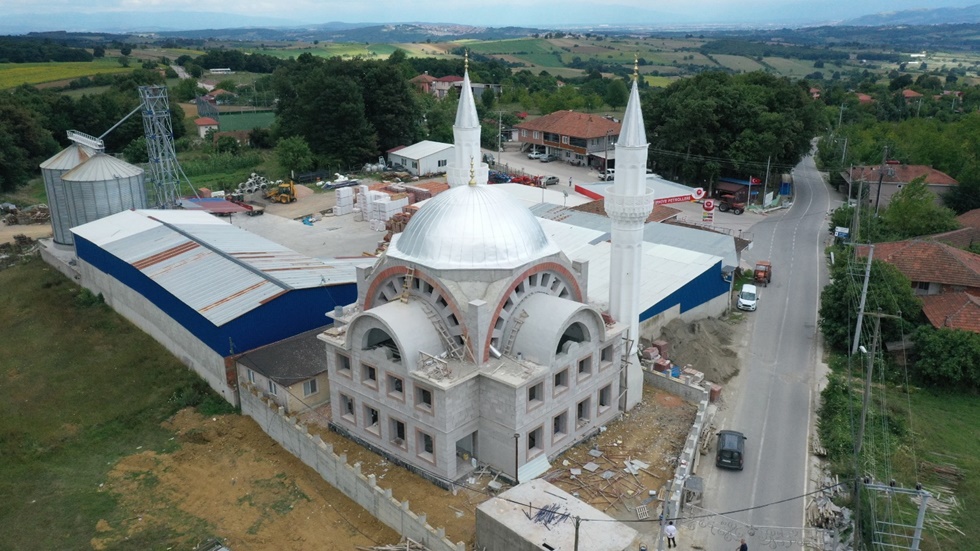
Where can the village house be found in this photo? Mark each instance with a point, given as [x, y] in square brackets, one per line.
[883, 183]
[576, 138]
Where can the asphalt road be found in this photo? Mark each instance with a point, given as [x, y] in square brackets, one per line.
[776, 391]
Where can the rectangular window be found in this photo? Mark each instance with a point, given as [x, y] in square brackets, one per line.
[347, 408]
[535, 444]
[425, 446]
[309, 387]
[585, 367]
[369, 375]
[396, 388]
[343, 364]
[561, 381]
[443, 162]
[372, 420]
[272, 388]
[605, 398]
[423, 398]
[583, 411]
[606, 357]
[564, 139]
[397, 430]
[535, 395]
[251, 376]
[559, 426]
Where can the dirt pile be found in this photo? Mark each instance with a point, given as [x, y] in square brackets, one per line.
[708, 345]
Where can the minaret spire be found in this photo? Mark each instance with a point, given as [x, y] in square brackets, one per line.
[628, 205]
[466, 138]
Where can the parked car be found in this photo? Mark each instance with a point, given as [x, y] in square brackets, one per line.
[748, 298]
[548, 158]
[552, 180]
[535, 154]
[607, 174]
[731, 450]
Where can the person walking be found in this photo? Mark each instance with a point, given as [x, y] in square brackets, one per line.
[569, 181]
[743, 547]
[671, 532]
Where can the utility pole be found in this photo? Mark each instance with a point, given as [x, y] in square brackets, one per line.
[765, 185]
[840, 117]
[881, 176]
[864, 298]
[500, 130]
[843, 155]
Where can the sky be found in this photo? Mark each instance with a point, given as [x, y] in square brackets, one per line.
[42, 14]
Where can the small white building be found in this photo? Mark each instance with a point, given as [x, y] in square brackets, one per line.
[205, 125]
[425, 157]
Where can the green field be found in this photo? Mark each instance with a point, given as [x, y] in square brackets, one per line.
[738, 63]
[796, 68]
[15, 74]
[246, 121]
[331, 49]
[82, 388]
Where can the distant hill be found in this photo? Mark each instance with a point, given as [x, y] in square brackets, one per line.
[341, 32]
[924, 16]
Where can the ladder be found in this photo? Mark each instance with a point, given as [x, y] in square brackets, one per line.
[407, 283]
[518, 322]
[447, 340]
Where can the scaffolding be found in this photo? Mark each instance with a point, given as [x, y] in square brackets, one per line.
[164, 189]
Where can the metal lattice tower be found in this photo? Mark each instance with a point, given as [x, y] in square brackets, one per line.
[164, 189]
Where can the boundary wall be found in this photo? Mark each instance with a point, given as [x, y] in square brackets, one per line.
[363, 490]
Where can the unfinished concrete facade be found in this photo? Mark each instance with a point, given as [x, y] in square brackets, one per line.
[472, 339]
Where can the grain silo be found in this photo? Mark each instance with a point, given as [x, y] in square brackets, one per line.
[102, 186]
[52, 170]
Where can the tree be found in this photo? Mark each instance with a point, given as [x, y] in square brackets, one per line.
[489, 99]
[616, 94]
[126, 50]
[98, 51]
[136, 151]
[24, 143]
[948, 358]
[294, 154]
[227, 85]
[889, 292]
[913, 212]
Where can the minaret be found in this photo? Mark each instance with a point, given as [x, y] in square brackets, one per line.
[466, 138]
[629, 205]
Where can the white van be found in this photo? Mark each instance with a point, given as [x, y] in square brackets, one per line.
[607, 174]
[748, 298]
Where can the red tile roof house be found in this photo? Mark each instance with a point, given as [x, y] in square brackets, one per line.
[424, 82]
[910, 95]
[577, 138]
[970, 219]
[934, 268]
[205, 125]
[953, 311]
[896, 176]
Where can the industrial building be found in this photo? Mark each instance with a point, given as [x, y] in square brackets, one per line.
[425, 157]
[203, 288]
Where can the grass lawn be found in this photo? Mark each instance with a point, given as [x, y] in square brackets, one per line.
[13, 75]
[82, 387]
[944, 432]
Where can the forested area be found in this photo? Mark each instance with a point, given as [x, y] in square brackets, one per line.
[15, 49]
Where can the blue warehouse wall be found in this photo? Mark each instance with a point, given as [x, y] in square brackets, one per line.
[287, 315]
[700, 290]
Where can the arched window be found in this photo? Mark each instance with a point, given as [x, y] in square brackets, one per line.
[379, 338]
[576, 332]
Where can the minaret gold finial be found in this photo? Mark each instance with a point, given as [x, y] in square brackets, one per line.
[636, 67]
[472, 173]
[466, 61]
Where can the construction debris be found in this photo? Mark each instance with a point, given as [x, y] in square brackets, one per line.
[407, 544]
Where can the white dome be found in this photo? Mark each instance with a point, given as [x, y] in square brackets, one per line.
[472, 227]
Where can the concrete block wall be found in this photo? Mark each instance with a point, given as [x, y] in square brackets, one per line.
[686, 462]
[334, 469]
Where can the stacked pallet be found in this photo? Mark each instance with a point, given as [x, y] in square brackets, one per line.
[345, 201]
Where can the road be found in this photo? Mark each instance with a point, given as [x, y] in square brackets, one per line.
[776, 392]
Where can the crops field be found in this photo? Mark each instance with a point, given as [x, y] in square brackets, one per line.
[738, 63]
[795, 68]
[15, 74]
[328, 50]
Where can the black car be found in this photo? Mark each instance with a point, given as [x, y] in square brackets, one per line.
[731, 450]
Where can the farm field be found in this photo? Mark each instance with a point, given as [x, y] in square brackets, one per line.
[328, 50]
[738, 63]
[795, 68]
[13, 75]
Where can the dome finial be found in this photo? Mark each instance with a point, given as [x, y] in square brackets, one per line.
[472, 173]
[636, 66]
[466, 61]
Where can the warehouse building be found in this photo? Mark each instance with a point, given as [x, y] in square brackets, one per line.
[205, 289]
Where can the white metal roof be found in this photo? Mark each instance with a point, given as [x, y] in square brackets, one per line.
[422, 150]
[531, 196]
[69, 157]
[660, 187]
[665, 269]
[217, 269]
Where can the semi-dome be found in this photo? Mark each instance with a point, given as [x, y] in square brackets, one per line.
[475, 226]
